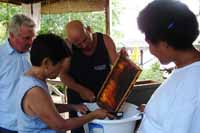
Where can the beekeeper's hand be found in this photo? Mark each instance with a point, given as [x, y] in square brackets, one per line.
[87, 94]
[102, 114]
[80, 108]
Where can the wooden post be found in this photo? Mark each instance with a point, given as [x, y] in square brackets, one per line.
[108, 16]
[141, 58]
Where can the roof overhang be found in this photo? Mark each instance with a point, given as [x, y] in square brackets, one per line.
[62, 6]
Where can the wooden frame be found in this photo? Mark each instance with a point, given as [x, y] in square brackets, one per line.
[118, 84]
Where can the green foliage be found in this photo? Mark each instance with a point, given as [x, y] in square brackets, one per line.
[55, 23]
[116, 11]
[52, 23]
[152, 73]
[7, 11]
[61, 88]
[2, 32]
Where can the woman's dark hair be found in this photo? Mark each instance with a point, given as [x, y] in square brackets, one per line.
[170, 21]
[48, 46]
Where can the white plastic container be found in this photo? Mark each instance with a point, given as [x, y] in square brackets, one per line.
[124, 125]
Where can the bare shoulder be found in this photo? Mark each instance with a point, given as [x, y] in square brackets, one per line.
[107, 38]
[66, 65]
[109, 43]
[110, 46]
[37, 93]
[34, 99]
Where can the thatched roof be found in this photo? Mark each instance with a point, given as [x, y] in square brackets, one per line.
[74, 6]
[61, 6]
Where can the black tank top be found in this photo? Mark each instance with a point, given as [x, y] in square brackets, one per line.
[89, 71]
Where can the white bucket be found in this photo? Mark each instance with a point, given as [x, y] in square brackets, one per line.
[124, 125]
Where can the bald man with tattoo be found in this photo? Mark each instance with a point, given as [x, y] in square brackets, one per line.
[92, 57]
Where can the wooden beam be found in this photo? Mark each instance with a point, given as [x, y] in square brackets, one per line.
[11, 2]
[108, 16]
[19, 2]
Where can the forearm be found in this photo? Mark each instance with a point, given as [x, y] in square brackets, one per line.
[67, 124]
[76, 122]
[71, 83]
[64, 107]
[66, 77]
[53, 119]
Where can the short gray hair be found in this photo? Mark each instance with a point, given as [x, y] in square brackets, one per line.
[19, 20]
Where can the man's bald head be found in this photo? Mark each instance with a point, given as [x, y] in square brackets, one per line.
[75, 29]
